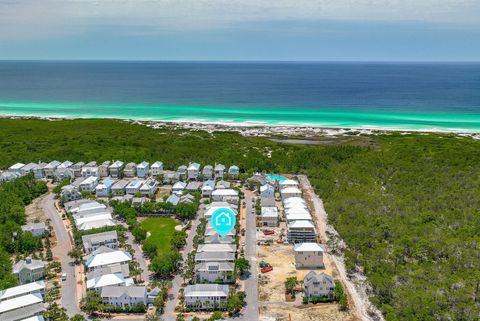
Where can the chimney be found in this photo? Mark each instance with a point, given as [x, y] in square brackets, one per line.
[28, 260]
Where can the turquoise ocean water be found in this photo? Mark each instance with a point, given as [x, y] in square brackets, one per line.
[394, 96]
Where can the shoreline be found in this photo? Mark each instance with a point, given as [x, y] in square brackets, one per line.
[255, 129]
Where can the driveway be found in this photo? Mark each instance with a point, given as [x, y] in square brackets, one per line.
[68, 290]
[138, 256]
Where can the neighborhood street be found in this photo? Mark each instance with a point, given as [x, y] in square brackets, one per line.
[60, 251]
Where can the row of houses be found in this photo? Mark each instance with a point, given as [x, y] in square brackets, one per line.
[23, 303]
[214, 265]
[89, 215]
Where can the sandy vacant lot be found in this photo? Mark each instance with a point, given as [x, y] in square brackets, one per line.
[34, 210]
[272, 291]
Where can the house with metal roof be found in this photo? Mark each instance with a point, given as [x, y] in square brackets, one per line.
[318, 285]
[37, 229]
[308, 255]
[156, 168]
[22, 307]
[206, 296]
[92, 242]
[29, 270]
[143, 169]
[123, 296]
[219, 171]
[37, 287]
[213, 272]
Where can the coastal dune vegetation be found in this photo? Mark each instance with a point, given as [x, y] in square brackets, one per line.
[407, 206]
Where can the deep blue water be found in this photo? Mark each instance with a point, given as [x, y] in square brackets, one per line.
[405, 88]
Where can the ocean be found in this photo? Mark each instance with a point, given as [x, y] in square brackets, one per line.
[404, 96]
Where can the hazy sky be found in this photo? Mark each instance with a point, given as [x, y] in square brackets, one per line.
[432, 30]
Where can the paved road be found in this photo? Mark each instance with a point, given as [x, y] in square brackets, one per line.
[138, 256]
[251, 284]
[169, 310]
[68, 290]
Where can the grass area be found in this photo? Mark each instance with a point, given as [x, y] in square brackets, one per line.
[161, 230]
[407, 205]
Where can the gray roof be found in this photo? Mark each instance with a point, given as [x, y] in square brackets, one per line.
[207, 290]
[314, 277]
[123, 268]
[32, 265]
[215, 266]
[219, 167]
[215, 256]
[194, 186]
[99, 237]
[133, 291]
[120, 184]
[33, 226]
[216, 239]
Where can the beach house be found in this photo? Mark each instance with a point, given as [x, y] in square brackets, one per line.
[219, 170]
[173, 199]
[143, 169]
[103, 169]
[90, 169]
[70, 193]
[89, 184]
[179, 187]
[124, 296]
[206, 296]
[105, 257]
[287, 183]
[112, 279]
[182, 172]
[130, 170]
[77, 168]
[27, 169]
[193, 171]
[16, 168]
[213, 272]
[116, 169]
[318, 285]
[308, 255]
[50, 168]
[207, 188]
[22, 307]
[93, 242]
[104, 188]
[133, 187]
[207, 172]
[288, 192]
[37, 287]
[38, 171]
[118, 188]
[37, 229]
[29, 270]
[225, 195]
[269, 216]
[301, 231]
[149, 187]
[233, 171]
[156, 168]
[267, 191]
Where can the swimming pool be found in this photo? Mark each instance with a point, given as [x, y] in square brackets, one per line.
[276, 177]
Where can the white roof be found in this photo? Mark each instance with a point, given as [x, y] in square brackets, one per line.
[193, 167]
[290, 190]
[134, 184]
[225, 192]
[19, 302]
[93, 217]
[89, 180]
[199, 290]
[211, 209]
[16, 166]
[92, 205]
[216, 248]
[298, 216]
[157, 164]
[269, 212]
[288, 182]
[108, 279]
[108, 258]
[95, 224]
[294, 199]
[266, 187]
[301, 224]
[34, 318]
[116, 164]
[308, 247]
[143, 165]
[21, 289]
[297, 210]
[179, 185]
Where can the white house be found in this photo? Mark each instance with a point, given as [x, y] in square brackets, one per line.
[224, 248]
[318, 285]
[269, 216]
[70, 193]
[50, 168]
[233, 171]
[182, 172]
[143, 169]
[207, 188]
[85, 209]
[90, 170]
[130, 170]
[112, 279]
[29, 270]
[267, 191]
[149, 188]
[38, 171]
[37, 287]
[308, 255]
[9, 176]
[37, 229]
[219, 170]
[287, 183]
[225, 195]
[89, 184]
[212, 207]
[104, 188]
[103, 170]
[22, 307]
[221, 184]
[207, 172]
[133, 187]
[193, 170]
[116, 257]
[214, 257]
[77, 168]
[123, 296]
[16, 168]
[173, 199]
[156, 168]
[93, 242]
[214, 271]
[301, 232]
[116, 169]
[288, 192]
[92, 221]
[179, 187]
[206, 296]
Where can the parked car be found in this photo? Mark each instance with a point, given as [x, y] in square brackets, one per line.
[64, 276]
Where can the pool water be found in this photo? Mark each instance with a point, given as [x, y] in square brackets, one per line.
[276, 177]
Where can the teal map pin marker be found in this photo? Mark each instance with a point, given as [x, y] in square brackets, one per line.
[223, 221]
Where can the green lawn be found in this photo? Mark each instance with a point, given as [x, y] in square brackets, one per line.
[161, 230]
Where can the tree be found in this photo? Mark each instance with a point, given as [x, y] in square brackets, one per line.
[290, 283]
[242, 265]
[234, 304]
[139, 233]
[216, 315]
[78, 317]
[55, 313]
[180, 317]
[91, 302]
[76, 254]
[153, 317]
[166, 264]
